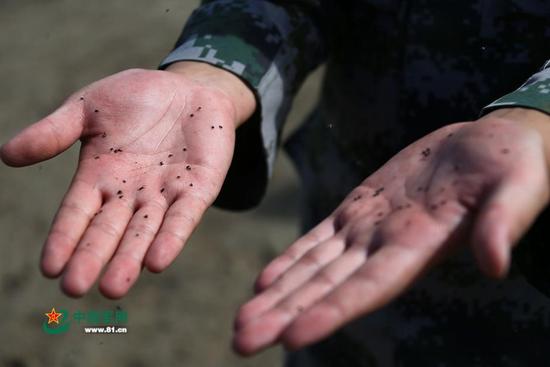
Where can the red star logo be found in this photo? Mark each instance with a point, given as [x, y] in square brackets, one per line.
[53, 316]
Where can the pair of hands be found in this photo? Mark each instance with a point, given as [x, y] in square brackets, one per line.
[157, 145]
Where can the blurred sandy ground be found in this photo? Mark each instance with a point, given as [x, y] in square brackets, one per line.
[182, 317]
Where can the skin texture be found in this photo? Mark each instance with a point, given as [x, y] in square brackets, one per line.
[479, 183]
[156, 146]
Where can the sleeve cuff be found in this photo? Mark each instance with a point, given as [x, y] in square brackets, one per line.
[534, 94]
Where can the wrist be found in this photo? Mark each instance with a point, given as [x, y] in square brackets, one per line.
[533, 119]
[237, 92]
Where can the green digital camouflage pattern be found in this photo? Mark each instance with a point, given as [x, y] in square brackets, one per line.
[535, 93]
[396, 70]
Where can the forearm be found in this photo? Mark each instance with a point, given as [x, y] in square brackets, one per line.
[238, 93]
[267, 47]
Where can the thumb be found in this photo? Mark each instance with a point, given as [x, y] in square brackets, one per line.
[504, 218]
[46, 138]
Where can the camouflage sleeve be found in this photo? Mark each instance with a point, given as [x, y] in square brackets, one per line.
[535, 94]
[271, 46]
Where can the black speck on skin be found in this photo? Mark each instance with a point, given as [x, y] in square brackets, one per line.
[123, 181]
[121, 196]
[191, 115]
[162, 190]
[137, 234]
[191, 185]
[170, 155]
[199, 108]
[188, 167]
[426, 152]
[141, 188]
[119, 192]
[96, 111]
[161, 163]
[185, 149]
[81, 98]
[378, 191]
[220, 126]
[104, 135]
[212, 127]
[145, 216]
[357, 197]
[112, 149]
[96, 157]
[178, 177]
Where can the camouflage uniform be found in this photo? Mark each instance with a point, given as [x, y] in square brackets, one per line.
[396, 70]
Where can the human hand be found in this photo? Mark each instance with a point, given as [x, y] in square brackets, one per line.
[156, 147]
[480, 183]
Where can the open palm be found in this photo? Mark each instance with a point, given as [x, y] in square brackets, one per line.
[481, 183]
[156, 147]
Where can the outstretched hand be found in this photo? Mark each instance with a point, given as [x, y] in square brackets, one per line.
[480, 183]
[156, 147]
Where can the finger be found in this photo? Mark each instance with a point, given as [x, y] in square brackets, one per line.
[46, 138]
[313, 260]
[293, 253]
[76, 211]
[505, 216]
[125, 266]
[96, 247]
[179, 222]
[402, 257]
[264, 331]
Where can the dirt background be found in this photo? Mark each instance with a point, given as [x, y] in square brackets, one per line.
[179, 318]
